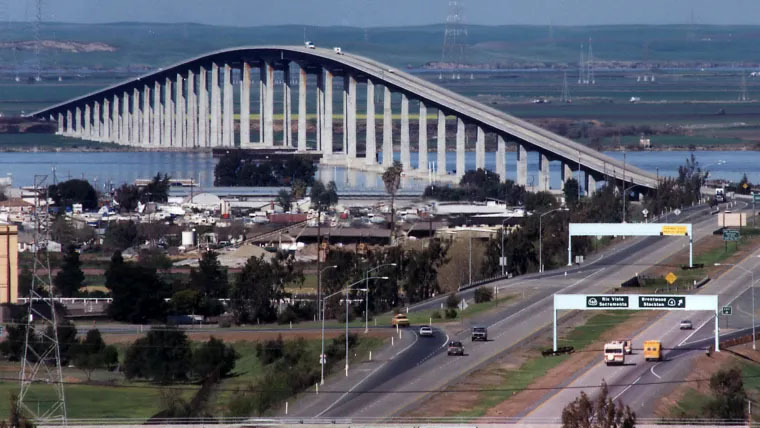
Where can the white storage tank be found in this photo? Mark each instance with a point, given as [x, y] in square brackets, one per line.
[188, 238]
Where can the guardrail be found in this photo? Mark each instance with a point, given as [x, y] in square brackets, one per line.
[67, 300]
[467, 286]
[380, 421]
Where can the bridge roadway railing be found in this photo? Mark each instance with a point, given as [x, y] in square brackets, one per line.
[190, 105]
[400, 422]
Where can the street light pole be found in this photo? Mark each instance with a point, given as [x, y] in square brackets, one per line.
[752, 292]
[541, 238]
[321, 310]
[366, 296]
[502, 262]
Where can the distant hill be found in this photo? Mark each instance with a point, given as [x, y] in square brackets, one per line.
[139, 46]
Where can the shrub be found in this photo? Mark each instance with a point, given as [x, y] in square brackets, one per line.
[436, 315]
[451, 313]
[483, 294]
[452, 302]
[214, 358]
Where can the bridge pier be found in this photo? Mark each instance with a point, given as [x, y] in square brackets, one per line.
[107, 117]
[96, 121]
[203, 125]
[590, 183]
[134, 124]
[245, 105]
[191, 122]
[301, 108]
[87, 121]
[522, 165]
[126, 119]
[480, 149]
[387, 128]
[178, 139]
[145, 116]
[406, 160]
[349, 118]
[501, 161]
[461, 140]
[216, 102]
[267, 96]
[422, 146]
[77, 122]
[543, 172]
[227, 108]
[567, 173]
[327, 115]
[441, 144]
[287, 111]
[370, 156]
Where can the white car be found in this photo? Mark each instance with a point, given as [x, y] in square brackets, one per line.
[338, 50]
[686, 325]
[426, 331]
[309, 45]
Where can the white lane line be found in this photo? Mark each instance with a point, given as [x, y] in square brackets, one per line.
[627, 388]
[445, 341]
[651, 369]
[695, 331]
[416, 338]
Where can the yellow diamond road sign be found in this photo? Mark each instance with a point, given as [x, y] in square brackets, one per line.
[671, 278]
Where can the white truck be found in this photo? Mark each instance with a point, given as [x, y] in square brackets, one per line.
[614, 353]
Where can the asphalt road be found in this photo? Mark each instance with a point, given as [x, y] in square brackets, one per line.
[407, 380]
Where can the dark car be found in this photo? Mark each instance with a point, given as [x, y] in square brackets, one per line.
[456, 348]
[479, 333]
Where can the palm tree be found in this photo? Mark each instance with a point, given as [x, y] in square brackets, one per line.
[392, 181]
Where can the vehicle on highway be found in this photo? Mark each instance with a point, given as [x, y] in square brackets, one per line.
[686, 325]
[338, 50]
[479, 333]
[628, 346]
[309, 45]
[653, 350]
[455, 348]
[614, 353]
[400, 320]
[426, 331]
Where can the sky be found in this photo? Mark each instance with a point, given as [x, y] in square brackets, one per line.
[375, 13]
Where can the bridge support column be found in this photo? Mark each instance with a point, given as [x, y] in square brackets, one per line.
[267, 100]
[228, 114]
[387, 128]
[567, 173]
[60, 124]
[327, 117]
[349, 87]
[203, 124]
[245, 105]
[87, 128]
[126, 119]
[216, 107]
[544, 174]
[370, 156]
[96, 121]
[480, 149]
[107, 127]
[179, 112]
[422, 147]
[287, 109]
[191, 116]
[501, 161]
[461, 136]
[145, 130]
[590, 183]
[522, 165]
[441, 146]
[320, 108]
[115, 121]
[134, 135]
[77, 122]
[155, 131]
[405, 151]
[166, 140]
[301, 108]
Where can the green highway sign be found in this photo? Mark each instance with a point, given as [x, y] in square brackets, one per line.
[607, 302]
[756, 197]
[730, 235]
[726, 310]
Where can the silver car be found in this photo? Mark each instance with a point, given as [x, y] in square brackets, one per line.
[426, 331]
[686, 325]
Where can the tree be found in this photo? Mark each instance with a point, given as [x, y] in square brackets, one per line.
[322, 198]
[74, 191]
[600, 413]
[571, 191]
[163, 356]
[540, 201]
[420, 270]
[392, 181]
[483, 294]
[92, 353]
[157, 190]
[127, 196]
[260, 285]
[154, 258]
[25, 279]
[210, 278]
[213, 358]
[120, 235]
[17, 417]
[284, 199]
[136, 290]
[70, 277]
[728, 395]
[226, 171]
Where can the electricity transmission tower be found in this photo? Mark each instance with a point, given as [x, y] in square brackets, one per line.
[743, 90]
[37, 40]
[565, 98]
[455, 37]
[41, 366]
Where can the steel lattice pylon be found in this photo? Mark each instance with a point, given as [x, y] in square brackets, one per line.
[41, 365]
[455, 36]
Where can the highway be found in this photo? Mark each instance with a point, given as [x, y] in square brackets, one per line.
[411, 376]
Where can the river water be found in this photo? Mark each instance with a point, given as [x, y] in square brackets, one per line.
[105, 168]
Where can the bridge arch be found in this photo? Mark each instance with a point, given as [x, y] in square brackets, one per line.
[191, 104]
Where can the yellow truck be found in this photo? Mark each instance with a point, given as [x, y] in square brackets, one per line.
[653, 350]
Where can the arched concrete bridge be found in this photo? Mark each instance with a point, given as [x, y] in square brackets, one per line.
[172, 109]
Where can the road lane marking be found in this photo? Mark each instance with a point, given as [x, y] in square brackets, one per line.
[651, 369]
[627, 388]
[416, 338]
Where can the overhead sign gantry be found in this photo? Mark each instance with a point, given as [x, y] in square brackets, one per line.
[628, 229]
[585, 302]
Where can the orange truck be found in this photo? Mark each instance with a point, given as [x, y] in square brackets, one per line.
[653, 350]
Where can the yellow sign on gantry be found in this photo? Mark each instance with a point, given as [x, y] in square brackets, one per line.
[674, 230]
